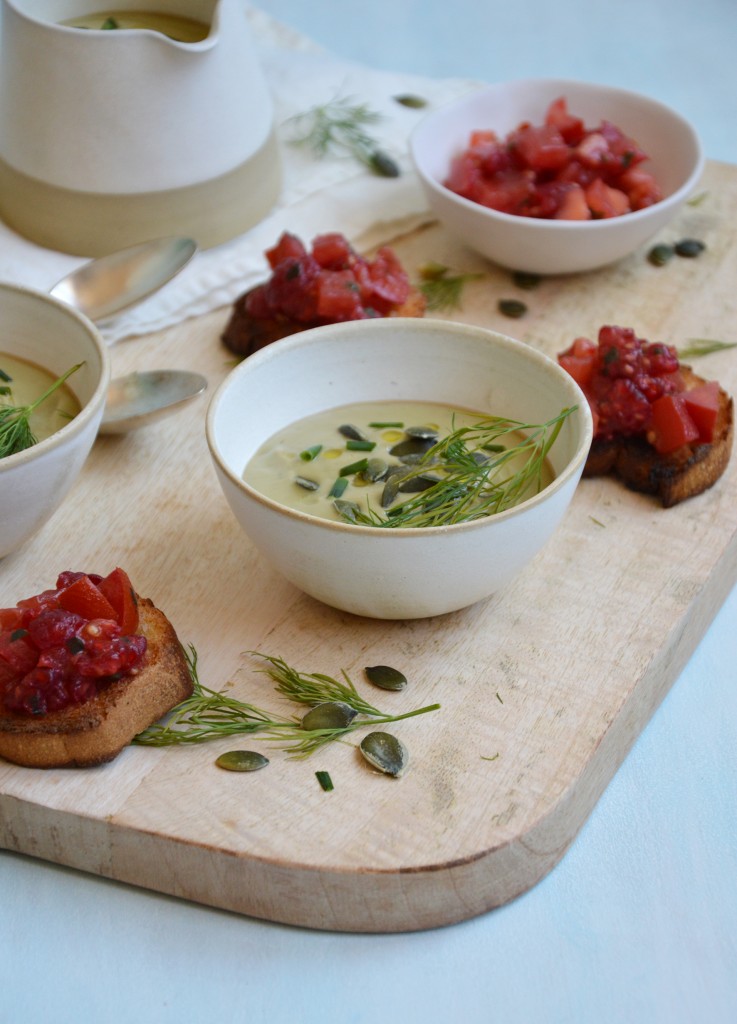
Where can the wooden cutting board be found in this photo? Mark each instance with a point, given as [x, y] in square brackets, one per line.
[543, 688]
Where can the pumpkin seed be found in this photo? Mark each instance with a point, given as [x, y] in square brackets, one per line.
[412, 446]
[417, 484]
[306, 483]
[383, 164]
[242, 761]
[659, 255]
[348, 509]
[351, 432]
[376, 469]
[331, 714]
[423, 433]
[512, 308]
[386, 677]
[412, 101]
[689, 247]
[385, 752]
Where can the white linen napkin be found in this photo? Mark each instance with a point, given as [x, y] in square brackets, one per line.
[334, 193]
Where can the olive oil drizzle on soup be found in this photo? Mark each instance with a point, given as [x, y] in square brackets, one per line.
[184, 30]
[27, 383]
[299, 465]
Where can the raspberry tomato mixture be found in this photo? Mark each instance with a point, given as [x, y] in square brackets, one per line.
[63, 646]
[559, 170]
[329, 283]
[635, 387]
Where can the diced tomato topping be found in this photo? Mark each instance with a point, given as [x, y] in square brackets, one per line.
[671, 426]
[605, 201]
[702, 405]
[571, 128]
[288, 247]
[580, 361]
[61, 646]
[83, 598]
[328, 284]
[542, 148]
[520, 174]
[636, 387]
[573, 205]
[117, 588]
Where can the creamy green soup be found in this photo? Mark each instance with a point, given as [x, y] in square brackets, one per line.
[184, 30]
[22, 382]
[366, 461]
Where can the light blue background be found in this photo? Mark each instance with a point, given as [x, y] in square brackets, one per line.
[638, 923]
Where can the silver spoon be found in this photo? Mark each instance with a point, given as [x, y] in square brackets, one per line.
[106, 286]
[141, 397]
[110, 284]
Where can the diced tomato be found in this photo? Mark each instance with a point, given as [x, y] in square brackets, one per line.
[510, 192]
[117, 588]
[671, 425]
[641, 187]
[288, 246]
[332, 251]
[482, 138]
[10, 618]
[570, 127]
[573, 205]
[702, 403]
[540, 148]
[605, 201]
[338, 296]
[580, 360]
[464, 173]
[389, 281]
[85, 599]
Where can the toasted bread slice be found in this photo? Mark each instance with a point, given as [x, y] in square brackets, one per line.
[672, 478]
[96, 731]
[245, 334]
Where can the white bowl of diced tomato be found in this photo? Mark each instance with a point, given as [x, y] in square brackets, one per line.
[552, 176]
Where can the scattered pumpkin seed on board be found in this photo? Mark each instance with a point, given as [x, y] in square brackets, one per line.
[242, 761]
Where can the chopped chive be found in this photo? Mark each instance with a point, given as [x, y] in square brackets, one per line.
[389, 423]
[325, 781]
[355, 467]
[338, 487]
[360, 446]
[310, 453]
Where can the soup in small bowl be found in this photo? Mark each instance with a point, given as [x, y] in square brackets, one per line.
[41, 341]
[476, 392]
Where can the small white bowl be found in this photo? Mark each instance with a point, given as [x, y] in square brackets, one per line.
[395, 573]
[34, 482]
[556, 246]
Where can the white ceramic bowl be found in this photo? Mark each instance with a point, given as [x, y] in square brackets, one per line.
[396, 573]
[556, 246]
[34, 482]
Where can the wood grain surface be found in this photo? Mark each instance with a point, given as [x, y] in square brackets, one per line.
[543, 688]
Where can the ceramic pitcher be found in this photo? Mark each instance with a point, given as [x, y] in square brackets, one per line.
[109, 137]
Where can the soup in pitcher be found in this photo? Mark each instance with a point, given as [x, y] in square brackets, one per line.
[183, 30]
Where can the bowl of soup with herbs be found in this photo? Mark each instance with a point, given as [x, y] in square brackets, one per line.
[54, 374]
[398, 468]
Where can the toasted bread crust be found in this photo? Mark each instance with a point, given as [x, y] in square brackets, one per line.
[95, 732]
[245, 334]
[672, 478]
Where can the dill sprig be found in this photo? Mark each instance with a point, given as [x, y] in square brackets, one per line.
[703, 347]
[441, 288]
[477, 475]
[210, 714]
[15, 428]
[339, 126]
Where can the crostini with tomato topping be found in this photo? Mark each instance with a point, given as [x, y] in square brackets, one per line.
[84, 667]
[329, 283]
[658, 426]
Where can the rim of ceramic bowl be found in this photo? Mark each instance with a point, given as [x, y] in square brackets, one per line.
[556, 86]
[92, 406]
[281, 348]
